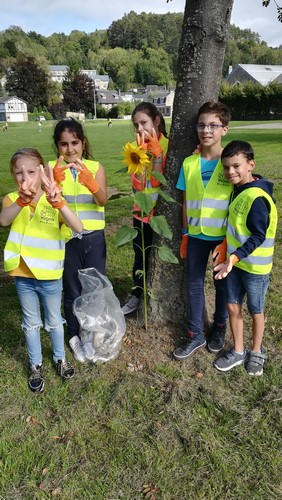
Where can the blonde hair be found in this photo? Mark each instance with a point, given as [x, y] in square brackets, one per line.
[32, 153]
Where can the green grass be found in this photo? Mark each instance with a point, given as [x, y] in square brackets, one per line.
[141, 418]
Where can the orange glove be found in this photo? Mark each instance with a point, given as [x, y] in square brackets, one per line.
[57, 204]
[85, 177]
[183, 246]
[150, 143]
[21, 203]
[59, 171]
[219, 253]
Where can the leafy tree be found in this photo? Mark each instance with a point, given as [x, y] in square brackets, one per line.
[78, 93]
[27, 80]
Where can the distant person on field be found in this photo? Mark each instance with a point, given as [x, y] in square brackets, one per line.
[34, 256]
[39, 126]
[84, 186]
[109, 122]
[5, 127]
[251, 228]
[206, 195]
[151, 135]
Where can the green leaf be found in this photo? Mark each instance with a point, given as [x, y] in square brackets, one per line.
[123, 169]
[144, 202]
[160, 177]
[159, 224]
[124, 235]
[166, 196]
[166, 255]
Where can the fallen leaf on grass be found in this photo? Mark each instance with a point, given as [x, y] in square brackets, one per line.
[199, 375]
[32, 420]
[135, 367]
[44, 471]
[64, 438]
[149, 491]
[127, 341]
[56, 491]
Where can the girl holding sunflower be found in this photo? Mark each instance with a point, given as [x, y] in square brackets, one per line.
[144, 156]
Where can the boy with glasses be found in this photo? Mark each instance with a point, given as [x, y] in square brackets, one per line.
[206, 195]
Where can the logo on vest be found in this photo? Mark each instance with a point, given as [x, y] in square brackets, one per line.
[47, 215]
[240, 207]
[221, 180]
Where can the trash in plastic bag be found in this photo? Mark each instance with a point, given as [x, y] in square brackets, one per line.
[102, 323]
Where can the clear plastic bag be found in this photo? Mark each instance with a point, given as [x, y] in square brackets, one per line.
[102, 323]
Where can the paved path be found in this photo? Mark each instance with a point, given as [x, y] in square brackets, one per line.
[262, 126]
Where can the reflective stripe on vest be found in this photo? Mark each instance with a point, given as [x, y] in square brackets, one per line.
[148, 189]
[206, 207]
[37, 240]
[80, 200]
[260, 260]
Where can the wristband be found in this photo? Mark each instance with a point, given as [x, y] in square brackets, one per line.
[58, 204]
[21, 203]
[184, 231]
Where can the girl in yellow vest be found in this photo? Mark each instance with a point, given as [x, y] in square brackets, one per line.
[151, 135]
[34, 256]
[251, 228]
[83, 183]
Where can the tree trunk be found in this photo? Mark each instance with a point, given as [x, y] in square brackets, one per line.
[201, 54]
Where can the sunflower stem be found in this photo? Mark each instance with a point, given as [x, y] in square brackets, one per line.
[144, 271]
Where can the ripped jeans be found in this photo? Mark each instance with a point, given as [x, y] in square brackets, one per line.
[30, 291]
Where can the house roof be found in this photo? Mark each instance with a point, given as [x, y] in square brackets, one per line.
[108, 97]
[10, 97]
[58, 67]
[262, 73]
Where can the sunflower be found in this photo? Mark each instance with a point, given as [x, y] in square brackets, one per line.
[135, 158]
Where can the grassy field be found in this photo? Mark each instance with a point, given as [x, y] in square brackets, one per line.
[143, 425]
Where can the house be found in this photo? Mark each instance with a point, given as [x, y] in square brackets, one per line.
[58, 72]
[13, 109]
[164, 102]
[108, 98]
[101, 81]
[255, 73]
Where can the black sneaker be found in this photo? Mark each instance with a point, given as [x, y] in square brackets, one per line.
[64, 369]
[36, 379]
[191, 345]
[217, 338]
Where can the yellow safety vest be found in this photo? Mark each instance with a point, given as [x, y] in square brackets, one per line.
[149, 189]
[260, 260]
[206, 207]
[38, 240]
[81, 201]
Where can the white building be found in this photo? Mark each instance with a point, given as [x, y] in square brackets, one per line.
[58, 72]
[13, 109]
[101, 81]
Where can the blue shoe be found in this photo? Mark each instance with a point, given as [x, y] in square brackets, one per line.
[255, 363]
[229, 360]
[217, 338]
[191, 345]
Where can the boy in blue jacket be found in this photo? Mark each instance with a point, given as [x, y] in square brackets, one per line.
[251, 228]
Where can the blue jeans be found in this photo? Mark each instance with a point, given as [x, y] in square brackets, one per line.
[241, 283]
[29, 292]
[198, 253]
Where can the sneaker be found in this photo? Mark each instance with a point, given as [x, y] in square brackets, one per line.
[77, 349]
[130, 305]
[36, 379]
[229, 359]
[255, 363]
[216, 338]
[191, 345]
[64, 368]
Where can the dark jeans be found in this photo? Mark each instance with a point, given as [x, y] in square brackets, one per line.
[138, 259]
[90, 251]
[197, 259]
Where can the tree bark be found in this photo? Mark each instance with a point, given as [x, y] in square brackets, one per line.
[201, 53]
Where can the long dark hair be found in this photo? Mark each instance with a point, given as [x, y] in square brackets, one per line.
[151, 110]
[74, 127]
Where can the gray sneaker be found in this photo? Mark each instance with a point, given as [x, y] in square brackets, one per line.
[229, 360]
[255, 363]
[130, 305]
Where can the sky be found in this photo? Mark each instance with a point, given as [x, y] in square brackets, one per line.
[64, 16]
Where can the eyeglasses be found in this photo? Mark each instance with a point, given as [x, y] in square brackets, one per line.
[211, 127]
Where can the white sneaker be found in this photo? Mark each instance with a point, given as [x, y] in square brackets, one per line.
[130, 305]
[77, 349]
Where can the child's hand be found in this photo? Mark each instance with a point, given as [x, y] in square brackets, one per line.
[85, 177]
[59, 170]
[51, 188]
[149, 143]
[198, 149]
[27, 189]
[225, 268]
